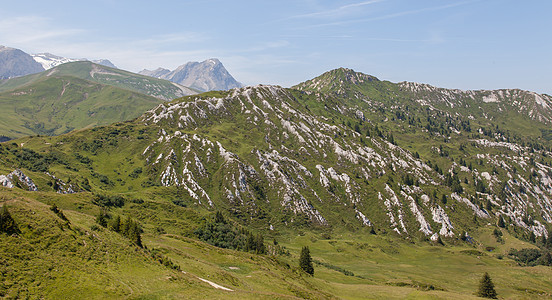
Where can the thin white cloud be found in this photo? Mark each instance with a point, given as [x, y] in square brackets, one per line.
[396, 15]
[31, 31]
[34, 34]
[267, 46]
[173, 38]
[337, 12]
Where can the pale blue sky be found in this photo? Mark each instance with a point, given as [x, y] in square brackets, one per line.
[478, 44]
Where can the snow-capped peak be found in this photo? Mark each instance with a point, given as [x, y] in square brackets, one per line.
[48, 60]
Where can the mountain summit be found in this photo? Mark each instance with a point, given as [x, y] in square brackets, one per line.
[48, 60]
[14, 62]
[205, 76]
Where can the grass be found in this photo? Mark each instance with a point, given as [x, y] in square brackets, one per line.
[55, 105]
[45, 259]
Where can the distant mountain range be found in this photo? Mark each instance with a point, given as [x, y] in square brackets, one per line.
[205, 76]
[77, 95]
[14, 62]
[48, 60]
[201, 76]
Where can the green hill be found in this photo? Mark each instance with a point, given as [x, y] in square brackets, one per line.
[77, 95]
[395, 197]
[58, 104]
[86, 70]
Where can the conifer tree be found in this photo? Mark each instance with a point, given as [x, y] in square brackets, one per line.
[133, 233]
[501, 222]
[115, 224]
[7, 223]
[546, 259]
[486, 287]
[259, 244]
[250, 243]
[101, 219]
[219, 218]
[305, 261]
[126, 226]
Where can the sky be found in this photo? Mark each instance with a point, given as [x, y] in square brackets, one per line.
[464, 44]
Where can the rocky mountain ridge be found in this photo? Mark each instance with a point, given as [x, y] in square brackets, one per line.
[319, 158]
[14, 63]
[204, 76]
[358, 165]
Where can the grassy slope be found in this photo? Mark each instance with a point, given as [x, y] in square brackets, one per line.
[77, 95]
[386, 266]
[48, 255]
[55, 105]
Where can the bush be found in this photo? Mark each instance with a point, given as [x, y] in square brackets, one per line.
[221, 233]
[108, 201]
[135, 173]
[162, 259]
[527, 256]
[58, 212]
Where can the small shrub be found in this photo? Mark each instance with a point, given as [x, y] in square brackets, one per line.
[58, 212]
[108, 201]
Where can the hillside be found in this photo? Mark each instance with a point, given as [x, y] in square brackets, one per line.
[58, 104]
[396, 192]
[86, 70]
[77, 95]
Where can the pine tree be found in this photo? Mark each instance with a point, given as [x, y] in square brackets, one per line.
[250, 242]
[219, 218]
[532, 237]
[501, 222]
[101, 219]
[444, 199]
[488, 205]
[305, 261]
[546, 259]
[126, 226]
[259, 244]
[115, 224]
[7, 223]
[134, 233]
[549, 242]
[486, 287]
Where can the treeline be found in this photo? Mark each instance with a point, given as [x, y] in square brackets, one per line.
[32, 160]
[531, 256]
[221, 233]
[126, 227]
